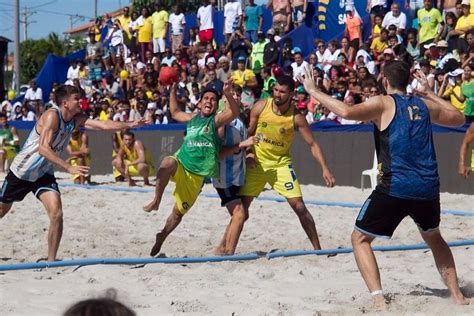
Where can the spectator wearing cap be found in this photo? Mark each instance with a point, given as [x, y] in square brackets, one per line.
[253, 17]
[256, 56]
[271, 50]
[396, 17]
[238, 46]
[232, 18]
[429, 20]
[205, 22]
[353, 29]
[281, 15]
[144, 26]
[443, 54]
[450, 89]
[94, 52]
[177, 24]
[160, 117]
[242, 76]
[299, 65]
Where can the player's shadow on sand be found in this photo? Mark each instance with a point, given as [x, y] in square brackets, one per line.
[467, 290]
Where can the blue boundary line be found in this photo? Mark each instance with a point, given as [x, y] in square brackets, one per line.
[261, 198]
[183, 260]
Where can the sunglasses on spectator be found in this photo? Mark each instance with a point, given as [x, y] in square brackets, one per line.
[374, 91]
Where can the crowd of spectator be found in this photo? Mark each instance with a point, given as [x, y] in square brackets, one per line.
[119, 76]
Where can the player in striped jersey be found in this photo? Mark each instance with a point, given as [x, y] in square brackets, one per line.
[32, 169]
[232, 176]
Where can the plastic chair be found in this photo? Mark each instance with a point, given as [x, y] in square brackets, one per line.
[372, 173]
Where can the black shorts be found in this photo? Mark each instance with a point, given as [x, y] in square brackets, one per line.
[381, 214]
[14, 189]
[229, 195]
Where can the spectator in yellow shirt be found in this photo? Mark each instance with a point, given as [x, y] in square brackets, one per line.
[379, 43]
[144, 28]
[160, 27]
[125, 20]
[451, 89]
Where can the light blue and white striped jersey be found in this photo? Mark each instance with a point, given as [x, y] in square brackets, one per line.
[232, 167]
[29, 165]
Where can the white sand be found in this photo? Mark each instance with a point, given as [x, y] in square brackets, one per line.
[112, 224]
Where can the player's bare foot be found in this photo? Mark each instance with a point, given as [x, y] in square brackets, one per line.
[152, 206]
[378, 303]
[219, 251]
[132, 183]
[461, 300]
[157, 246]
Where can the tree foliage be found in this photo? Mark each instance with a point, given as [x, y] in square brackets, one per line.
[33, 53]
[187, 6]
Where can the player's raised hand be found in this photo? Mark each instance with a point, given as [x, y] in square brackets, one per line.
[421, 78]
[228, 84]
[307, 79]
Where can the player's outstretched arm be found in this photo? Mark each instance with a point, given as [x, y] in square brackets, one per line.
[47, 126]
[442, 112]
[316, 151]
[176, 112]
[232, 110]
[109, 125]
[370, 110]
[463, 170]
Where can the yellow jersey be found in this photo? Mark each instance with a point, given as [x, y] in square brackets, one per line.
[76, 145]
[275, 133]
[145, 30]
[132, 155]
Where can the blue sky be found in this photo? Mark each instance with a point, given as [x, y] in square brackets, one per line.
[52, 15]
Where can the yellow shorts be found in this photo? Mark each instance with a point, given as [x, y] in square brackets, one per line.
[10, 152]
[74, 163]
[188, 187]
[282, 179]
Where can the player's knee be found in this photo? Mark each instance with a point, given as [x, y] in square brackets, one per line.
[168, 163]
[240, 214]
[56, 216]
[300, 208]
[357, 238]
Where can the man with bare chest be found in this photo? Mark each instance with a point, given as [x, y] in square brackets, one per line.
[281, 15]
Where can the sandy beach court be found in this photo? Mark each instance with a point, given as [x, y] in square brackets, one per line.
[111, 224]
